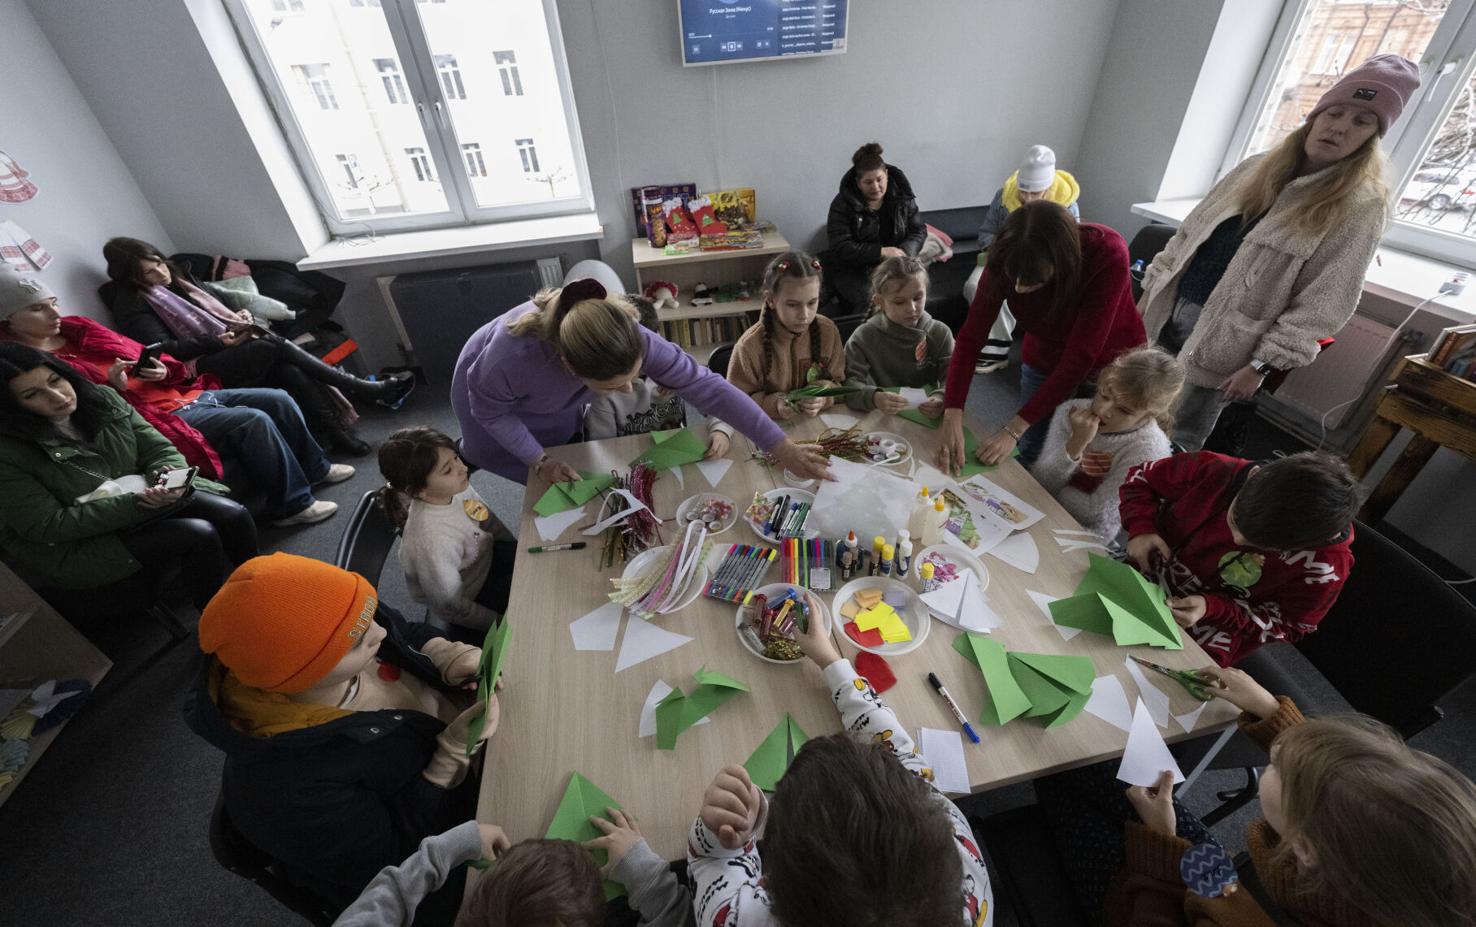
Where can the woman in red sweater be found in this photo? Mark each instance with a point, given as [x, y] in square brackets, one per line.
[1068, 286]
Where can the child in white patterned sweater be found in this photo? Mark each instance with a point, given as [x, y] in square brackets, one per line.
[457, 557]
[1093, 443]
[829, 858]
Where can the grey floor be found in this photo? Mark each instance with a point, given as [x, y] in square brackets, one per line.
[110, 827]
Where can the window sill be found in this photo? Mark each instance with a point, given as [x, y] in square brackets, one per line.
[1401, 276]
[469, 239]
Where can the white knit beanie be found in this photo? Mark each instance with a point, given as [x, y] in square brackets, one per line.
[19, 289]
[1037, 169]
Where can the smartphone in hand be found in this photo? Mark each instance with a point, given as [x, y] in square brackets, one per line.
[178, 479]
[149, 354]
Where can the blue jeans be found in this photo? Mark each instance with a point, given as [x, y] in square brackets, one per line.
[264, 430]
[1033, 439]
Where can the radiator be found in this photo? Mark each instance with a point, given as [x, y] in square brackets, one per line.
[1343, 374]
[436, 311]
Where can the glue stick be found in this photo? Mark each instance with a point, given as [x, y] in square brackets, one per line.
[888, 552]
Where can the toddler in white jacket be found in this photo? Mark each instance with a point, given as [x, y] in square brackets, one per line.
[1093, 443]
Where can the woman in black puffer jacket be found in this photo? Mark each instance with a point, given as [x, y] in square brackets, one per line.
[873, 217]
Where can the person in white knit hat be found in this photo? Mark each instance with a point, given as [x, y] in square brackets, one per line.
[1036, 179]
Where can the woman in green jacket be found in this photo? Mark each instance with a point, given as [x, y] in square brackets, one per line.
[81, 505]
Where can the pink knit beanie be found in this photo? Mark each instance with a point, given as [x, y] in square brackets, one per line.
[1383, 85]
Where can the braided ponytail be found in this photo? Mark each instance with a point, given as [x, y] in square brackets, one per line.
[791, 265]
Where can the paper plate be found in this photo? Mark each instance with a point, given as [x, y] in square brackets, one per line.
[647, 559]
[953, 554]
[904, 447]
[694, 502]
[914, 614]
[774, 590]
[795, 495]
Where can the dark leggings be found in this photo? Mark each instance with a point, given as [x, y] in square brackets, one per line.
[208, 536]
[275, 362]
[1086, 810]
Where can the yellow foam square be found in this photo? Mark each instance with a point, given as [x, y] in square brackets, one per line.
[894, 630]
[875, 616]
[868, 598]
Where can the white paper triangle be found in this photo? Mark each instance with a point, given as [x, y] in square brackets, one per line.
[598, 629]
[962, 603]
[1019, 551]
[1156, 700]
[676, 474]
[551, 526]
[837, 420]
[1109, 702]
[714, 470]
[1187, 721]
[648, 711]
[1146, 755]
[644, 640]
[1043, 602]
[914, 395]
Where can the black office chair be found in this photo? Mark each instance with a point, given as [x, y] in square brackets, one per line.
[1144, 247]
[367, 539]
[848, 324]
[1397, 640]
[720, 357]
[239, 856]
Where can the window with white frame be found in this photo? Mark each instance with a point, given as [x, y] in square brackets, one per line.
[393, 80]
[1431, 148]
[393, 154]
[476, 166]
[507, 68]
[315, 76]
[450, 77]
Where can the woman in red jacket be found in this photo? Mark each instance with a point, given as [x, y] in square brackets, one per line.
[1068, 287]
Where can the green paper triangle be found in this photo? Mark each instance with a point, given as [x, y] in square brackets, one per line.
[1069, 672]
[1087, 611]
[1044, 695]
[797, 738]
[1004, 700]
[494, 651]
[672, 449]
[583, 800]
[768, 763]
[670, 719]
[1072, 709]
[560, 497]
[1142, 615]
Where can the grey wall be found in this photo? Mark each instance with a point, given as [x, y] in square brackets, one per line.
[86, 193]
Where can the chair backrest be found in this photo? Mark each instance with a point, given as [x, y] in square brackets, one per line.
[1145, 246]
[720, 357]
[848, 324]
[367, 539]
[241, 857]
[1397, 640]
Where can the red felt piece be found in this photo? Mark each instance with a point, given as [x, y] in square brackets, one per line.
[870, 638]
[876, 671]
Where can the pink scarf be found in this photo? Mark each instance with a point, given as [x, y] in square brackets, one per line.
[201, 314]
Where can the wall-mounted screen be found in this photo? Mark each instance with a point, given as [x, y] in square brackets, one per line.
[726, 31]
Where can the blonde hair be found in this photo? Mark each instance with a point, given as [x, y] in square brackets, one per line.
[1392, 830]
[1331, 192]
[599, 338]
[892, 270]
[1147, 379]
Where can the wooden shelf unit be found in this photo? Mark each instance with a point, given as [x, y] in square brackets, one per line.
[713, 268]
[38, 645]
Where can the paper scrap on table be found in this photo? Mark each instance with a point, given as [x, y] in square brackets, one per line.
[1069, 545]
[551, 526]
[658, 692]
[714, 470]
[573, 494]
[583, 800]
[914, 395]
[1146, 755]
[632, 506]
[1187, 721]
[671, 449]
[1074, 532]
[1019, 551]
[1043, 602]
[679, 710]
[944, 752]
[598, 629]
[1153, 696]
[838, 420]
[962, 604]
[644, 640]
[770, 760]
[1109, 702]
[676, 474]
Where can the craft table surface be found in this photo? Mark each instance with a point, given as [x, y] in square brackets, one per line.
[565, 710]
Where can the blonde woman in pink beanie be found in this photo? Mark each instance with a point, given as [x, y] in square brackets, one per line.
[1273, 258]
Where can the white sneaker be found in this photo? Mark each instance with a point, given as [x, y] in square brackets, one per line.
[337, 473]
[984, 366]
[320, 510]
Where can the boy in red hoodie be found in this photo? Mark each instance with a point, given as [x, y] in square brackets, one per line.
[1249, 553]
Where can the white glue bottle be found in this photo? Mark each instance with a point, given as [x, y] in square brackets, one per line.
[922, 511]
[904, 552]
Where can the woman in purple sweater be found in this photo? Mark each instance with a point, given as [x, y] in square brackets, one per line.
[524, 378]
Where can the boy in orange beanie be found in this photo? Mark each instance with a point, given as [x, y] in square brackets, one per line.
[344, 726]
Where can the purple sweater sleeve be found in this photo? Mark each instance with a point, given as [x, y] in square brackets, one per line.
[494, 403]
[713, 396]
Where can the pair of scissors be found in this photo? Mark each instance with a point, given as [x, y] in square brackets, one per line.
[1197, 684]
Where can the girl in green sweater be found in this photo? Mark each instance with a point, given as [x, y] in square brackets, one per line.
[899, 344]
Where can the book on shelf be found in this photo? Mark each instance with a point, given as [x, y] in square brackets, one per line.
[1449, 342]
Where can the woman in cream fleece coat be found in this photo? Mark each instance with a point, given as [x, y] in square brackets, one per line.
[1273, 258]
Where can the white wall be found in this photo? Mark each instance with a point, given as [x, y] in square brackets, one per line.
[86, 193]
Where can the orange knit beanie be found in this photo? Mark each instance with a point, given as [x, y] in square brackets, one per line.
[282, 622]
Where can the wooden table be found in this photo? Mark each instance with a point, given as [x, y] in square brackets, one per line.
[1439, 407]
[565, 710]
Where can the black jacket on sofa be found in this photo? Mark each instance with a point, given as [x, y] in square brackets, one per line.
[856, 234]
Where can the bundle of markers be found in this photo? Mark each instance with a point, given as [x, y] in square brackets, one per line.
[741, 571]
[807, 563]
[782, 519]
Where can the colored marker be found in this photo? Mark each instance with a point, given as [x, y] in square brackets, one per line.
[952, 706]
[724, 569]
[550, 548]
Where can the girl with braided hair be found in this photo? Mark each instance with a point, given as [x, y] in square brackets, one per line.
[791, 345]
